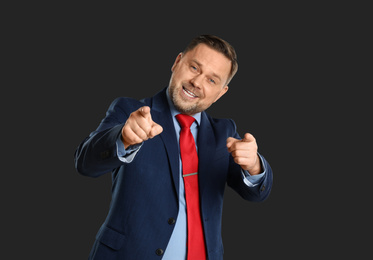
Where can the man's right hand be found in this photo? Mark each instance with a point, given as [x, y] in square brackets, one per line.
[139, 127]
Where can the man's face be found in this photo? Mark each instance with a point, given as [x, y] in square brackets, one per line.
[198, 79]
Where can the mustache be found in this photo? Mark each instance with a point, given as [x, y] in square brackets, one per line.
[190, 87]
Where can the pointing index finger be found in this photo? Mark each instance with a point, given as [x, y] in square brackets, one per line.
[230, 142]
[248, 138]
[145, 112]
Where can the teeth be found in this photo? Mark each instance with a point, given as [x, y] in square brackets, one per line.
[188, 93]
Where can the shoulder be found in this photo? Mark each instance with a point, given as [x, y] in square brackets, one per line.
[221, 124]
[126, 102]
[131, 104]
[125, 105]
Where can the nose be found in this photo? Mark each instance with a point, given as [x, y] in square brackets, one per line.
[197, 81]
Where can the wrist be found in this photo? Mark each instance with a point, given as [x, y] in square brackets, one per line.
[257, 168]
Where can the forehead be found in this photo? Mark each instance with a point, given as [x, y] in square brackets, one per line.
[211, 60]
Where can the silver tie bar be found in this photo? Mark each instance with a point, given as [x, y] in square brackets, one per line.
[190, 174]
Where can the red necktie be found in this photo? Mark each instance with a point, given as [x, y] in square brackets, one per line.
[196, 242]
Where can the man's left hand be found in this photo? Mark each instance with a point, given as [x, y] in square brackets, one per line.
[245, 153]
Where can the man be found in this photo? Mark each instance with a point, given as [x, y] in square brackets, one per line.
[143, 144]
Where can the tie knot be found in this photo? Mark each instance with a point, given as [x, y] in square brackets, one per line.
[185, 120]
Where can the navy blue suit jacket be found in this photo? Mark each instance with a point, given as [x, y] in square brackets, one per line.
[145, 192]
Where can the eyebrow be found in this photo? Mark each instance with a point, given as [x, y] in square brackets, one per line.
[213, 74]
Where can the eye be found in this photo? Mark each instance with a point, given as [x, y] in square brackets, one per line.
[193, 67]
[212, 81]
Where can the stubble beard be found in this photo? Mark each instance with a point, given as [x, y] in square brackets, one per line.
[181, 105]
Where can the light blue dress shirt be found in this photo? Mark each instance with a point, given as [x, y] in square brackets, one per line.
[176, 248]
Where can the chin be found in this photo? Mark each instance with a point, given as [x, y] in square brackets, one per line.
[185, 109]
[183, 106]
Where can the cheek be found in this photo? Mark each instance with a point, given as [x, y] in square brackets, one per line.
[212, 95]
[175, 79]
[183, 73]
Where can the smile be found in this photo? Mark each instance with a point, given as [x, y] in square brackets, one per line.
[189, 93]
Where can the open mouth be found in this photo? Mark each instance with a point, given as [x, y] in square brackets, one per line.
[189, 93]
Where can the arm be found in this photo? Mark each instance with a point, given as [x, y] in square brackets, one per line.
[245, 153]
[126, 155]
[98, 153]
[253, 180]
[254, 167]
[257, 191]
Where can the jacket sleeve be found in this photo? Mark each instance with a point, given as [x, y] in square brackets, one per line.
[97, 154]
[236, 181]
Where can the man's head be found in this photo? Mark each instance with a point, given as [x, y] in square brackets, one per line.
[219, 45]
[201, 73]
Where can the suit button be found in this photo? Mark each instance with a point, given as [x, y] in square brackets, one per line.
[171, 221]
[263, 188]
[105, 154]
[159, 251]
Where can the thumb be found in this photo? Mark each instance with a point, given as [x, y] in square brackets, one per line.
[156, 130]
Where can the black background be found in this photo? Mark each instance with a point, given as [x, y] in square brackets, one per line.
[300, 90]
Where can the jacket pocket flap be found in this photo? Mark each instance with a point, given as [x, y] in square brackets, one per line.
[110, 237]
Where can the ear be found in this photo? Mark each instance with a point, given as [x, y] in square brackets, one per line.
[178, 58]
[222, 92]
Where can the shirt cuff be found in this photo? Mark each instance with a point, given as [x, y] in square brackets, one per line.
[126, 155]
[253, 180]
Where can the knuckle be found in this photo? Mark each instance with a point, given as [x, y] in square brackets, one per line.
[142, 135]
[126, 130]
[238, 160]
[233, 145]
[147, 129]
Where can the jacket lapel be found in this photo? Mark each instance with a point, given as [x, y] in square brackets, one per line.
[206, 151]
[161, 115]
